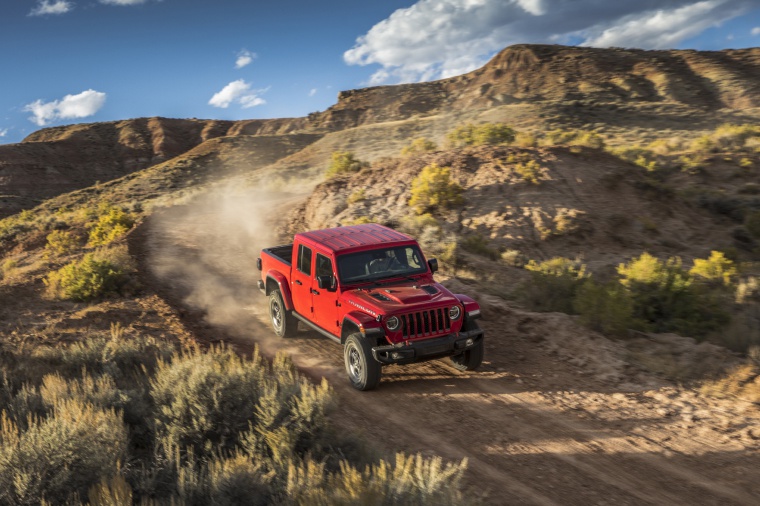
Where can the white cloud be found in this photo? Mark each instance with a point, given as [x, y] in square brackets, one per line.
[238, 92]
[244, 58]
[81, 105]
[433, 39]
[658, 29]
[756, 30]
[4, 132]
[51, 7]
[123, 2]
[312, 92]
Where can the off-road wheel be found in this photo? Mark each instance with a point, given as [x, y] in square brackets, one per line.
[472, 358]
[283, 321]
[362, 368]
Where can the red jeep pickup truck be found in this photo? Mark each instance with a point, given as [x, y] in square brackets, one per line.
[370, 289]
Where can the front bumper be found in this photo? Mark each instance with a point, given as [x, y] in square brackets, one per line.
[427, 349]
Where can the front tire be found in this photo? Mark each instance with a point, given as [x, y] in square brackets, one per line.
[283, 321]
[363, 370]
[472, 358]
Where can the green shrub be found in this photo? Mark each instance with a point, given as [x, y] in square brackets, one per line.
[513, 257]
[61, 456]
[112, 223]
[357, 196]
[752, 224]
[606, 308]
[526, 140]
[479, 245]
[343, 162]
[575, 138]
[61, 242]
[665, 298]
[86, 279]
[693, 164]
[419, 146]
[529, 171]
[204, 400]
[553, 284]
[479, 135]
[360, 220]
[434, 190]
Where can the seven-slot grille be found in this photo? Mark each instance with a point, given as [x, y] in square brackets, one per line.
[426, 323]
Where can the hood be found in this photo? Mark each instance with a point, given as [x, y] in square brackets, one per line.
[400, 298]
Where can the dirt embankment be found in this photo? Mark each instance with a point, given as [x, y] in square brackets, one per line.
[556, 415]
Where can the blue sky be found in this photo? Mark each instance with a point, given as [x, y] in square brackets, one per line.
[68, 61]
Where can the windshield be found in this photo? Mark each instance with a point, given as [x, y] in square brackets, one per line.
[381, 263]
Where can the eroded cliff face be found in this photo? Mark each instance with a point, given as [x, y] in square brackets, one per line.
[57, 160]
[545, 73]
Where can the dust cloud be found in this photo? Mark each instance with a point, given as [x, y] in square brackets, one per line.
[205, 251]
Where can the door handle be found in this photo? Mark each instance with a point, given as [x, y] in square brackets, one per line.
[297, 282]
[315, 292]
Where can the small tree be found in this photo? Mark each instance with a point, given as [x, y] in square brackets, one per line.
[433, 189]
[344, 162]
[112, 224]
[486, 134]
[419, 146]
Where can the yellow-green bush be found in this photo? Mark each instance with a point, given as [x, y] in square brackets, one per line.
[717, 268]
[553, 284]
[479, 135]
[356, 196]
[479, 245]
[529, 171]
[586, 138]
[61, 242]
[94, 275]
[343, 162]
[419, 146]
[666, 299]
[112, 223]
[433, 190]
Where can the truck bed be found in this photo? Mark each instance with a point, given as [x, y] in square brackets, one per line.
[282, 253]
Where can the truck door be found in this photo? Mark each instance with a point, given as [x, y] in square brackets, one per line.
[300, 281]
[324, 301]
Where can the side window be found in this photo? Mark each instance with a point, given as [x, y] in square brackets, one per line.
[304, 259]
[324, 266]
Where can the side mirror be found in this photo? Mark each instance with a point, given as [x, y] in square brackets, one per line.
[326, 283]
[433, 264]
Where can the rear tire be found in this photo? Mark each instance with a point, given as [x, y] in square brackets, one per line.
[361, 367]
[472, 358]
[283, 321]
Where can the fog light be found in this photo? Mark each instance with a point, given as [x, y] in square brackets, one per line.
[395, 355]
[469, 342]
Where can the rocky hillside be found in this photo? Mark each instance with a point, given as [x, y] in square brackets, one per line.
[544, 73]
[57, 160]
[622, 91]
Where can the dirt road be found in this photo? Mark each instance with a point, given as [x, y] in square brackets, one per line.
[555, 416]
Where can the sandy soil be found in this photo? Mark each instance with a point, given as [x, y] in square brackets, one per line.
[555, 416]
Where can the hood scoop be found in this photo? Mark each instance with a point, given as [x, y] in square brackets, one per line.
[379, 296]
[430, 289]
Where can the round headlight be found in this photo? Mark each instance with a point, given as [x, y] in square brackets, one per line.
[392, 323]
[455, 312]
